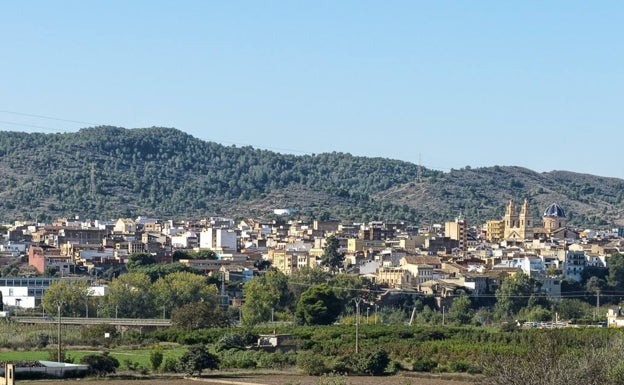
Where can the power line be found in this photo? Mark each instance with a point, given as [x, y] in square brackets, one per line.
[29, 125]
[48, 117]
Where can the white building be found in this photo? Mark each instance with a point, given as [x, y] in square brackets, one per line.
[574, 264]
[218, 239]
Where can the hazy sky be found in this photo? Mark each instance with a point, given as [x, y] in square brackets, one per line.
[537, 84]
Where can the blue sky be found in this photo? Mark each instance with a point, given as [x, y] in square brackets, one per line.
[536, 84]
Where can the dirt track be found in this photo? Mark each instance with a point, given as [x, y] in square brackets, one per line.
[268, 379]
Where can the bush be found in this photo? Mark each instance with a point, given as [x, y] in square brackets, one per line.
[53, 356]
[371, 363]
[42, 340]
[100, 364]
[311, 363]
[230, 341]
[459, 366]
[239, 359]
[170, 365]
[424, 365]
[196, 359]
[332, 379]
[393, 367]
[277, 360]
[156, 358]
[96, 334]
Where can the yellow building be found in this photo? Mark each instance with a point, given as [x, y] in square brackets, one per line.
[355, 244]
[518, 226]
[495, 230]
[458, 231]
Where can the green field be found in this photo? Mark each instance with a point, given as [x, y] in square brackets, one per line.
[138, 357]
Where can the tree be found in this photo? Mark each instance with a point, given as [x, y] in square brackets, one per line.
[615, 277]
[573, 309]
[196, 359]
[180, 288]
[331, 257]
[138, 260]
[265, 294]
[513, 294]
[262, 264]
[203, 254]
[130, 296]
[71, 294]
[301, 279]
[318, 306]
[461, 311]
[350, 286]
[199, 315]
[160, 270]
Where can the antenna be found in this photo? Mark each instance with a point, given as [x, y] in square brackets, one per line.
[419, 174]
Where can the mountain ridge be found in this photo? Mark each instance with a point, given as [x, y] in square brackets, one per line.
[109, 172]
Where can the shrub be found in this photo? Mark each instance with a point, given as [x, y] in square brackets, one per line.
[311, 363]
[459, 366]
[424, 365]
[332, 379]
[277, 360]
[230, 341]
[131, 365]
[240, 359]
[371, 363]
[196, 359]
[99, 332]
[393, 367]
[100, 364]
[156, 358]
[42, 340]
[170, 365]
[53, 356]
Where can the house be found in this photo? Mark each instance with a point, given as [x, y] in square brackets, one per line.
[276, 342]
[574, 264]
[49, 258]
[394, 277]
[124, 226]
[615, 319]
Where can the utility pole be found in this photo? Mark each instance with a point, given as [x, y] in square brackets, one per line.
[58, 334]
[357, 324]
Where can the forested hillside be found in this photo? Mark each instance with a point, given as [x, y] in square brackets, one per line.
[108, 172]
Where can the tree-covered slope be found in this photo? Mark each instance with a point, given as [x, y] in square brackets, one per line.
[108, 172]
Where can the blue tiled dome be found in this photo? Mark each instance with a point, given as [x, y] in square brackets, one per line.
[554, 211]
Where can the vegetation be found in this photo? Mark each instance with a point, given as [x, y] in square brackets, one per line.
[163, 172]
[197, 359]
[100, 364]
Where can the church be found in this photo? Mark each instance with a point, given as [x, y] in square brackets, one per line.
[518, 226]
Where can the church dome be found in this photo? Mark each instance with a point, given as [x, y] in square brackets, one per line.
[554, 211]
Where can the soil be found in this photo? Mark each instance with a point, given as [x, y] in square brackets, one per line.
[268, 379]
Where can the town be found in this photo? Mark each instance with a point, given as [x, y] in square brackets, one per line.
[439, 261]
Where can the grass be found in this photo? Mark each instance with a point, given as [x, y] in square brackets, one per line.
[137, 357]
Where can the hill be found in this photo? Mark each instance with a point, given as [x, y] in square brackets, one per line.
[109, 172]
